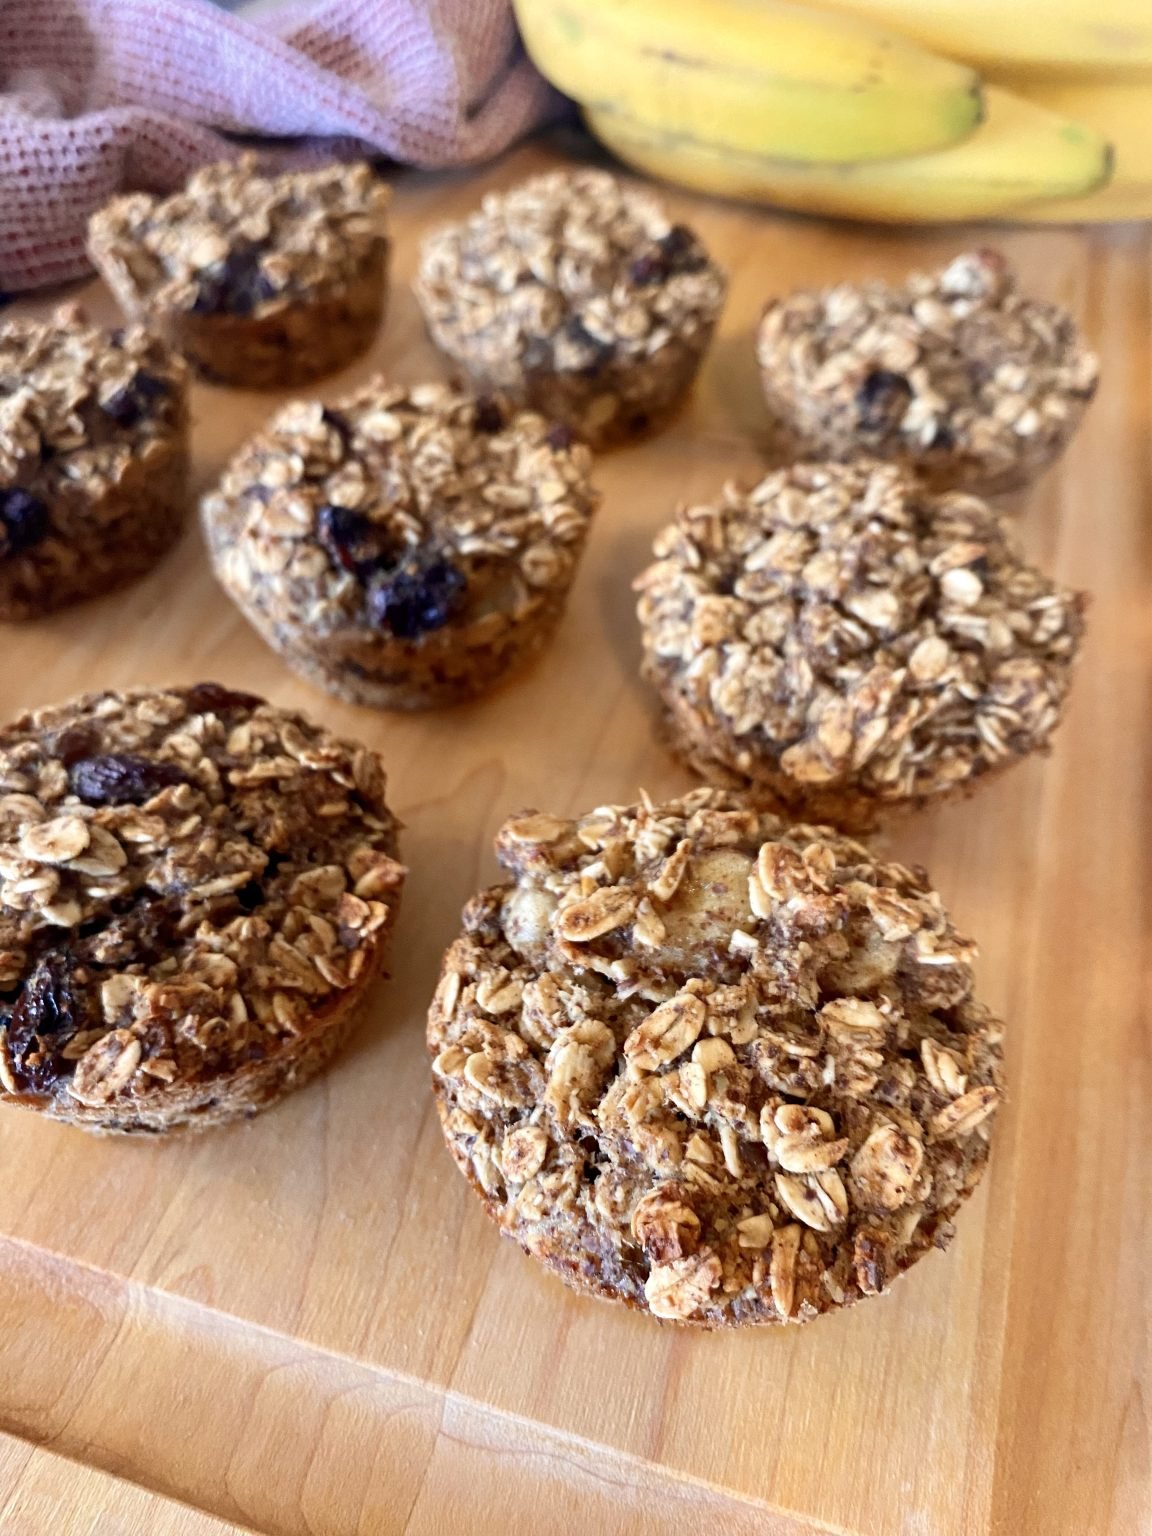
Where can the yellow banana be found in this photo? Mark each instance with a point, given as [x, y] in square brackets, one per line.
[769, 77]
[1022, 34]
[1122, 111]
[1021, 153]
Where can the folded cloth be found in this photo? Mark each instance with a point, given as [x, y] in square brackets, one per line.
[102, 96]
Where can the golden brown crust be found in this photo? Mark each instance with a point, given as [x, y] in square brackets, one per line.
[405, 547]
[954, 374]
[196, 891]
[722, 1068]
[93, 459]
[265, 282]
[850, 645]
[574, 294]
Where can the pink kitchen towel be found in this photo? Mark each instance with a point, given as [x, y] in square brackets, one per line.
[101, 96]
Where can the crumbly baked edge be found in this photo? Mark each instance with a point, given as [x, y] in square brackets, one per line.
[673, 1290]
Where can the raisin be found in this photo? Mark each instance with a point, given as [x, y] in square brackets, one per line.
[647, 269]
[943, 437]
[559, 436]
[416, 599]
[212, 698]
[121, 778]
[251, 896]
[237, 288]
[339, 424]
[133, 401]
[682, 251]
[47, 1014]
[676, 252]
[355, 542]
[75, 742]
[340, 530]
[601, 351]
[254, 894]
[881, 400]
[134, 930]
[24, 519]
[488, 415]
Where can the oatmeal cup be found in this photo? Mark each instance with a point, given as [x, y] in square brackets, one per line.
[93, 459]
[262, 281]
[407, 547]
[575, 295]
[196, 889]
[721, 1068]
[847, 644]
[955, 374]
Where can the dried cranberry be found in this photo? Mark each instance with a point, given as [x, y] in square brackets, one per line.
[24, 519]
[416, 599]
[559, 436]
[355, 542]
[134, 400]
[881, 400]
[212, 698]
[47, 1014]
[488, 417]
[121, 778]
[237, 287]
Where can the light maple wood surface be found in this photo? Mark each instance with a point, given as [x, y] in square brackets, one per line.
[305, 1325]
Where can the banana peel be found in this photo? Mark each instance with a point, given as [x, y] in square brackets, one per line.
[1022, 154]
[764, 77]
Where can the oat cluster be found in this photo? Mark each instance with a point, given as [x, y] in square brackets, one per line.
[78, 404]
[712, 1064]
[953, 371]
[838, 630]
[190, 880]
[328, 511]
[563, 273]
[234, 240]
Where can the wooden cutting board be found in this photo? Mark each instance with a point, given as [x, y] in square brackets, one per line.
[306, 1324]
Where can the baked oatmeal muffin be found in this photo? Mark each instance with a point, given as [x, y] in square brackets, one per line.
[195, 893]
[721, 1068]
[955, 374]
[407, 547]
[262, 281]
[575, 295]
[93, 459]
[848, 644]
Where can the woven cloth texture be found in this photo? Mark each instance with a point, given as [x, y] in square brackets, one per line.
[103, 96]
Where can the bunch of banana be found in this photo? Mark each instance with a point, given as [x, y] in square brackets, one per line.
[813, 106]
[1120, 110]
[765, 77]
[1019, 34]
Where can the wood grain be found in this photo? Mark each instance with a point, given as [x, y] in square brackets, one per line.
[41, 1492]
[314, 1301]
